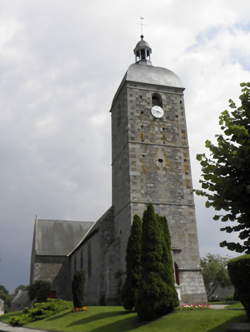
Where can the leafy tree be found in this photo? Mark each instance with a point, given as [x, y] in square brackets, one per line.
[156, 296]
[20, 287]
[225, 176]
[39, 290]
[215, 274]
[78, 289]
[6, 297]
[133, 262]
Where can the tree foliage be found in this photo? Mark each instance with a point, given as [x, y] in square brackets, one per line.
[239, 271]
[225, 178]
[78, 289]
[6, 297]
[156, 295]
[168, 272]
[39, 290]
[215, 274]
[133, 263]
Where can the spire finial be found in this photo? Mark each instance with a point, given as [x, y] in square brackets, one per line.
[142, 25]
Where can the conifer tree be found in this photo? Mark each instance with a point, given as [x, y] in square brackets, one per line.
[78, 289]
[156, 296]
[168, 272]
[133, 262]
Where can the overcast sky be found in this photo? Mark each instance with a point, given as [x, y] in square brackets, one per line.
[60, 64]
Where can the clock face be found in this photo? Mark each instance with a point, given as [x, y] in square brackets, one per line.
[157, 112]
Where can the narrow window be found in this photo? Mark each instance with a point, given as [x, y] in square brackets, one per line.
[156, 100]
[176, 272]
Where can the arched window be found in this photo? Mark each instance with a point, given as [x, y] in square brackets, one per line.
[156, 100]
[176, 272]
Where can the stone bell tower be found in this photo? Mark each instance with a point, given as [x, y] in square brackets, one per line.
[150, 164]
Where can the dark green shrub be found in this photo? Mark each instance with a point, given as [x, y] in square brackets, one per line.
[133, 265]
[239, 272]
[78, 289]
[39, 290]
[19, 320]
[168, 270]
[156, 295]
[38, 311]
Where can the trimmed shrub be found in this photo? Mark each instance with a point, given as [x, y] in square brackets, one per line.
[239, 272]
[168, 270]
[39, 290]
[39, 310]
[156, 295]
[133, 263]
[78, 289]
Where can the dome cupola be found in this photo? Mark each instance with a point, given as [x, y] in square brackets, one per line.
[142, 52]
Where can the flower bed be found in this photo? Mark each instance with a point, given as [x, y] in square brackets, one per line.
[194, 306]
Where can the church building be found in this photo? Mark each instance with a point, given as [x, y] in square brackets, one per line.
[150, 164]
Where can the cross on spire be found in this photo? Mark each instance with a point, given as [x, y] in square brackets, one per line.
[141, 24]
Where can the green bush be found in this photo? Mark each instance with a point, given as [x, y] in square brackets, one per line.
[239, 272]
[156, 295]
[39, 310]
[19, 320]
[78, 289]
[39, 290]
[133, 265]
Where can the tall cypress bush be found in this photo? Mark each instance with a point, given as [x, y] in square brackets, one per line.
[78, 289]
[168, 271]
[133, 264]
[156, 295]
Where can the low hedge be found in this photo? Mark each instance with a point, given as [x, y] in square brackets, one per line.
[239, 272]
[38, 311]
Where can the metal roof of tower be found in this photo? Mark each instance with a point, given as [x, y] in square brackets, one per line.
[144, 73]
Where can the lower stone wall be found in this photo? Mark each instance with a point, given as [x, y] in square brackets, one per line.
[99, 257]
[192, 287]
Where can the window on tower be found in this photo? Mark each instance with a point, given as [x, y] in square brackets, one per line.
[156, 100]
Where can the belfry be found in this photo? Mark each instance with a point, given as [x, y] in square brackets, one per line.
[150, 164]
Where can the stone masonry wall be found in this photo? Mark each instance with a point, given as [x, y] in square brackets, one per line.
[155, 168]
[99, 256]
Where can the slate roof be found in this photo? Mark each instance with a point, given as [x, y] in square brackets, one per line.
[144, 73]
[148, 74]
[58, 237]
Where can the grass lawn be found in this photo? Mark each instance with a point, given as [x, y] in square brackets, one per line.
[236, 305]
[115, 319]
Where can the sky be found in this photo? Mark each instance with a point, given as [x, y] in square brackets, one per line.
[60, 65]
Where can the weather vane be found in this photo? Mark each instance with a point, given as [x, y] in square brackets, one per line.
[141, 24]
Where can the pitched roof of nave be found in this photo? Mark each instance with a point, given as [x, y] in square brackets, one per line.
[58, 237]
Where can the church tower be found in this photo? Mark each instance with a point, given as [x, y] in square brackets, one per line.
[150, 164]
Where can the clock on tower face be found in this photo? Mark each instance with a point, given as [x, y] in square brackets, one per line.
[157, 111]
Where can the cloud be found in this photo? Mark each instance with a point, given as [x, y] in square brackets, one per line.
[60, 65]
